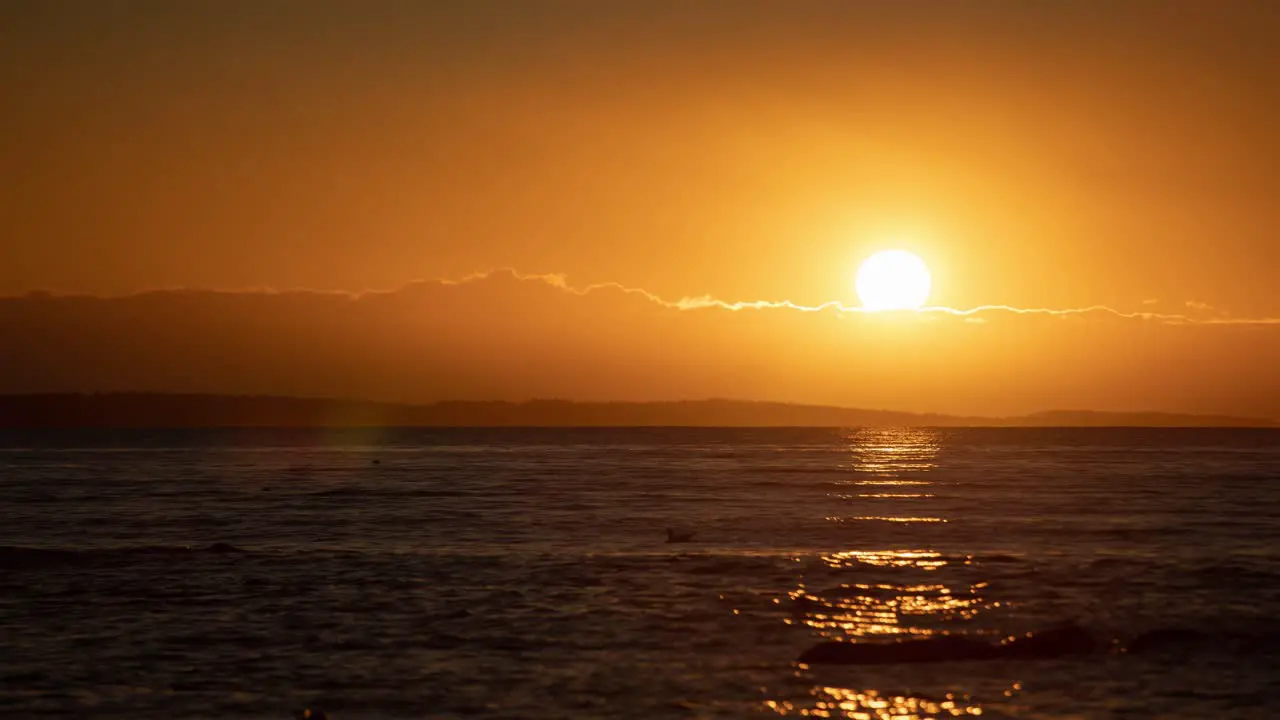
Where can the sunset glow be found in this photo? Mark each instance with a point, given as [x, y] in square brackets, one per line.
[620, 205]
[547, 359]
[893, 280]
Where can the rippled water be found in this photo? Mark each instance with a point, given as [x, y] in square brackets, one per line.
[526, 573]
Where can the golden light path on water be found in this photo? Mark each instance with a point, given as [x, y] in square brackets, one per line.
[922, 559]
[838, 702]
[879, 611]
[887, 518]
[895, 495]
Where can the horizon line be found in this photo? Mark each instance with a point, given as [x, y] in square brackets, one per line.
[1269, 422]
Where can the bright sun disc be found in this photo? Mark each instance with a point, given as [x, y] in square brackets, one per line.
[893, 280]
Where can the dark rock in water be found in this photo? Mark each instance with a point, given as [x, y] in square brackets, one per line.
[1041, 645]
[941, 649]
[679, 536]
[1000, 557]
[442, 641]
[12, 557]
[143, 550]
[1166, 639]
[21, 557]
[1049, 643]
[1267, 643]
[1182, 639]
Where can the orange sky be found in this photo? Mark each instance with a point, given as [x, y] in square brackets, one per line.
[1037, 155]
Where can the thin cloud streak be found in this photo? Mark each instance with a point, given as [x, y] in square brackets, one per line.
[703, 302]
[559, 281]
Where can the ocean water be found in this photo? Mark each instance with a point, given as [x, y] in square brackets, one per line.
[410, 573]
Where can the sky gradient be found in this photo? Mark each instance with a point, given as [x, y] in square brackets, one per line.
[1037, 155]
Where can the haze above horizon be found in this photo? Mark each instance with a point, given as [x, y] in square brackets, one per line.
[157, 411]
[1077, 199]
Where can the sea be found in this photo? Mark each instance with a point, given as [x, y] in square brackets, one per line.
[636, 573]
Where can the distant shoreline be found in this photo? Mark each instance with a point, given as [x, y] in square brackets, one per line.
[161, 410]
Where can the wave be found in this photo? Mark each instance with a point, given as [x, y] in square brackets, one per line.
[17, 557]
[392, 493]
[1054, 642]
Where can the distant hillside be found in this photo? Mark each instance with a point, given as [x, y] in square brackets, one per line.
[163, 410]
[1090, 418]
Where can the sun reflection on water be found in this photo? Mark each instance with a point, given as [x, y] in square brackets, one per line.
[895, 458]
[921, 559]
[891, 452]
[888, 595]
[839, 702]
[892, 482]
[887, 518]
[866, 609]
[895, 495]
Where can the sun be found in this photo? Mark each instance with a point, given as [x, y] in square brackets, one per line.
[893, 280]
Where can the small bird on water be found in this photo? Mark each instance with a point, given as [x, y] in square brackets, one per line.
[309, 714]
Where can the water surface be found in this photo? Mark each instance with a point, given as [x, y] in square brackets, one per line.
[525, 573]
